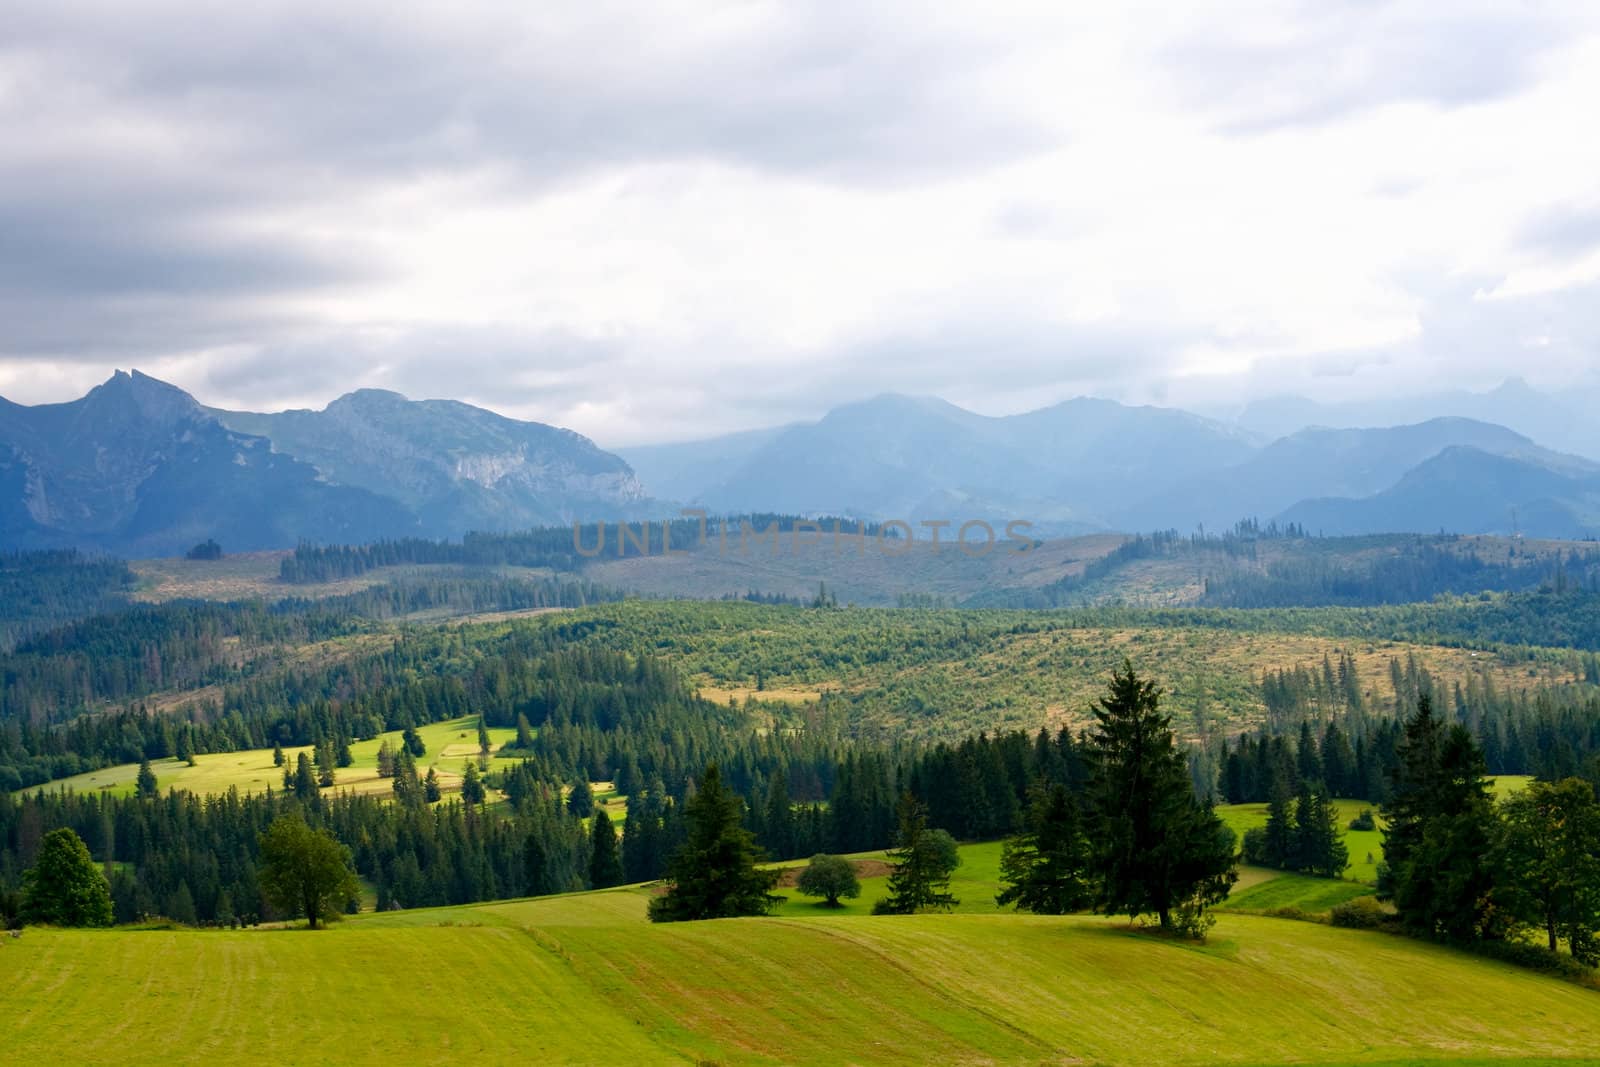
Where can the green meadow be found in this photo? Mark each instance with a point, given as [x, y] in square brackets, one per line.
[585, 979]
[450, 745]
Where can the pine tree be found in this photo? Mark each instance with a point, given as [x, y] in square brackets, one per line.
[605, 866]
[1045, 869]
[277, 754]
[1156, 847]
[385, 760]
[714, 874]
[431, 791]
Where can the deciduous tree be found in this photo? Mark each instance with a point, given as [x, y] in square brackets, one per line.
[831, 878]
[305, 871]
[65, 887]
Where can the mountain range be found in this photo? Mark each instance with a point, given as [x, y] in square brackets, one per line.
[1088, 464]
[138, 467]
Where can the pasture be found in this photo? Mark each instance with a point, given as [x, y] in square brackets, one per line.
[585, 979]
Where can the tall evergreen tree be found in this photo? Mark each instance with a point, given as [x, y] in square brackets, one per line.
[1045, 868]
[714, 874]
[1319, 839]
[1441, 830]
[605, 865]
[1156, 847]
[921, 864]
[145, 785]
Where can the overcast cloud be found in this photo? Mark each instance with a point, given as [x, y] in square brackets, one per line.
[665, 220]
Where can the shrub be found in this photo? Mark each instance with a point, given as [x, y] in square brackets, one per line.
[1362, 913]
[1364, 821]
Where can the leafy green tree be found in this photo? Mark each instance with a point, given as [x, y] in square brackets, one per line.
[920, 864]
[714, 874]
[65, 887]
[1045, 868]
[145, 785]
[829, 877]
[1156, 846]
[581, 800]
[1549, 855]
[605, 863]
[305, 871]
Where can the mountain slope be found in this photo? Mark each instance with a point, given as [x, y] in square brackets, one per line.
[456, 466]
[1561, 421]
[1469, 491]
[1065, 467]
[1320, 463]
[137, 467]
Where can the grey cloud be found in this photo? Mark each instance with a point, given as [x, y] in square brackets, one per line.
[1566, 231]
[1352, 56]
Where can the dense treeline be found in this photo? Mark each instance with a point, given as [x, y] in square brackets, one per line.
[42, 590]
[1418, 571]
[109, 664]
[561, 548]
[1461, 868]
[1320, 731]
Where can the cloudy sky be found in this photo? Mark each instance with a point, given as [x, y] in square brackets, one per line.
[658, 221]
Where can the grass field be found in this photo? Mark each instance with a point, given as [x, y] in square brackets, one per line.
[449, 746]
[584, 979]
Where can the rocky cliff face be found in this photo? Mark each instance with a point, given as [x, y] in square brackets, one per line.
[137, 467]
[458, 467]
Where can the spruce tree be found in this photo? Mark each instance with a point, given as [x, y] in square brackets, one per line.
[1045, 868]
[1319, 839]
[921, 864]
[581, 800]
[145, 785]
[472, 791]
[1157, 848]
[1441, 826]
[714, 874]
[605, 866]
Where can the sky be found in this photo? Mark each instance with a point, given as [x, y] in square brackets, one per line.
[663, 221]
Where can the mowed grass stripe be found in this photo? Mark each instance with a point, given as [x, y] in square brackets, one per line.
[584, 979]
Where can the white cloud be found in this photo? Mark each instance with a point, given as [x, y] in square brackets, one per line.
[668, 221]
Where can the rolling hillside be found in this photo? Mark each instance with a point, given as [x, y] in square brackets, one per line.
[584, 979]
